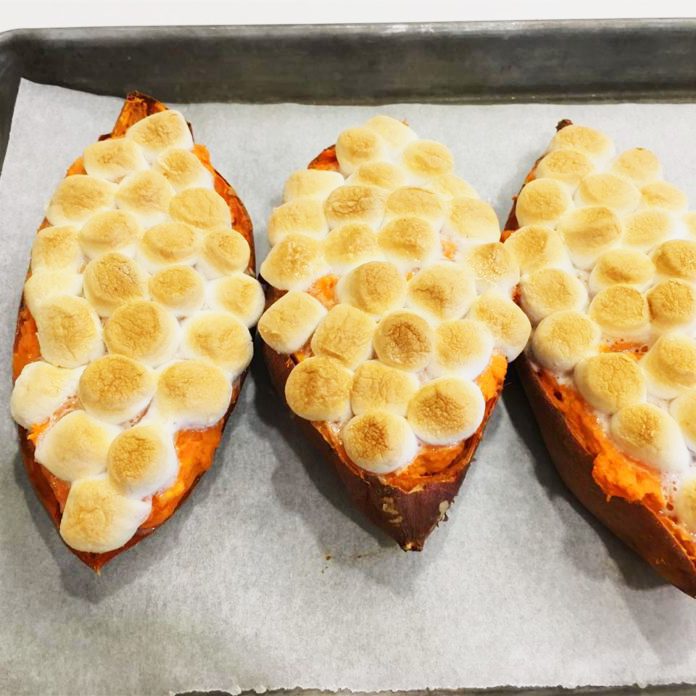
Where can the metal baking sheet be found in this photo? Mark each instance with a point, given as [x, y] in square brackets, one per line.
[567, 61]
[628, 60]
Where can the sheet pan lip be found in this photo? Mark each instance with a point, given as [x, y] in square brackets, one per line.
[481, 74]
[250, 31]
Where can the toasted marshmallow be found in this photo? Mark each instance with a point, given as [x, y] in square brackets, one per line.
[294, 263]
[683, 410]
[112, 279]
[110, 230]
[670, 365]
[182, 169]
[355, 146]
[45, 285]
[542, 201]
[450, 186]
[427, 159]
[494, 265]
[146, 195]
[97, 518]
[112, 159]
[442, 291]
[639, 165]
[672, 304]
[505, 320]
[676, 259]
[621, 312]
[201, 208]
[355, 204]
[537, 246]
[115, 388]
[410, 201]
[350, 245]
[311, 183]
[593, 143]
[179, 289]
[650, 435]
[383, 175]
[463, 347]
[375, 287]
[192, 394]
[645, 229]
[446, 410]
[551, 290]
[299, 216]
[610, 381]
[69, 331]
[219, 338]
[240, 294]
[222, 252]
[290, 321]
[143, 331]
[168, 243]
[396, 134]
[75, 446]
[56, 248]
[379, 387]
[588, 233]
[622, 267]
[409, 242]
[404, 340]
[568, 166]
[78, 197]
[142, 461]
[471, 220]
[685, 503]
[318, 389]
[563, 339]
[345, 334]
[379, 442]
[39, 391]
[608, 190]
[161, 131]
[660, 194]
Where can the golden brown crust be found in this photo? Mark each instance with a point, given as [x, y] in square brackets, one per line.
[638, 525]
[136, 107]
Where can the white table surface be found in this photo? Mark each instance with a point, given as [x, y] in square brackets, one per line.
[66, 13]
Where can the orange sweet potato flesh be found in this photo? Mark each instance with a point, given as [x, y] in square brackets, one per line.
[409, 504]
[620, 492]
[195, 448]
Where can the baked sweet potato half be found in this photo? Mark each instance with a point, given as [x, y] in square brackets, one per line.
[132, 338]
[607, 252]
[389, 320]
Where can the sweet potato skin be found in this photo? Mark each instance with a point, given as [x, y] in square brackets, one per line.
[635, 524]
[136, 107]
[406, 516]
[44, 492]
[638, 526]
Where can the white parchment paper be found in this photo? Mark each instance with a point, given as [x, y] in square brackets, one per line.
[266, 578]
